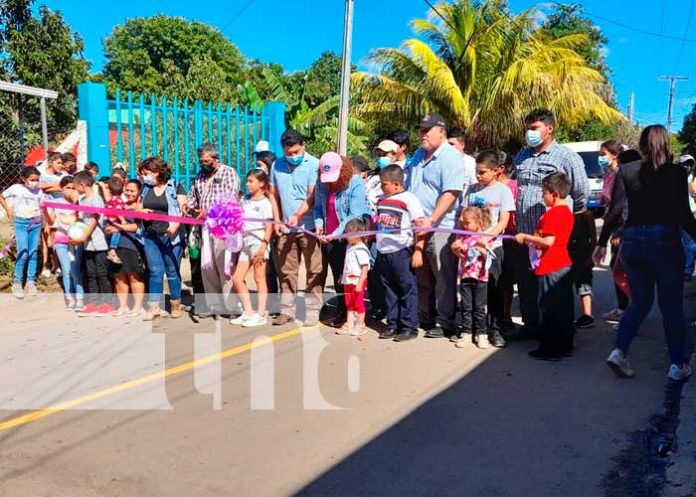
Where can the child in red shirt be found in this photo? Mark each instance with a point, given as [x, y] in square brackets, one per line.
[553, 271]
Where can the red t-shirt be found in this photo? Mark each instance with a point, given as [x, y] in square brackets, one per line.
[558, 222]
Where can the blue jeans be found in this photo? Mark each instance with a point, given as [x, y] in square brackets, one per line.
[689, 253]
[400, 290]
[162, 257]
[115, 240]
[27, 236]
[71, 270]
[653, 257]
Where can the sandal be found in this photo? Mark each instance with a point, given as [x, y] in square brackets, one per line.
[119, 312]
[359, 331]
[343, 330]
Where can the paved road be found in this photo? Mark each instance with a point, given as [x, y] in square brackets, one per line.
[130, 414]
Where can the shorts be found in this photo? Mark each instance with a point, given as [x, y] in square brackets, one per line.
[250, 248]
[582, 278]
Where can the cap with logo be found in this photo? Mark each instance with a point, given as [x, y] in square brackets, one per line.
[330, 167]
[432, 120]
[387, 146]
[262, 146]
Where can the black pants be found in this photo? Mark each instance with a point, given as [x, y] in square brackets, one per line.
[473, 294]
[494, 313]
[98, 282]
[400, 290]
[272, 271]
[621, 297]
[527, 287]
[334, 257]
[556, 330]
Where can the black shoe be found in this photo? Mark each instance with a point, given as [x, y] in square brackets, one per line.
[496, 340]
[507, 326]
[405, 336]
[584, 321]
[436, 332]
[377, 315]
[544, 355]
[389, 333]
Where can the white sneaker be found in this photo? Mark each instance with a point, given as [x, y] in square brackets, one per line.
[255, 320]
[241, 319]
[618, 363]
[359, 331]
[679, 373]
[482, 341]
[31, 289]
[46, 273]
[613, 316]
[464, 341]
[17, 291]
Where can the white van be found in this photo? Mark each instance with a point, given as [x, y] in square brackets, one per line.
[589, 151]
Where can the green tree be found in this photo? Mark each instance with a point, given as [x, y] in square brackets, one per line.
[174, 57]
[687, 135]
[568, 20]
[43, 52]
[484, 69]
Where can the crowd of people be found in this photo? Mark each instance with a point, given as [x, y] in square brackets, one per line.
[436, 240]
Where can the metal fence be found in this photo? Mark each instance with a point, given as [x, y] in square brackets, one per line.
[142, 127]
[21, 131]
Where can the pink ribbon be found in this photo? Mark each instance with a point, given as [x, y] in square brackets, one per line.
[150, 216]
[147, 216]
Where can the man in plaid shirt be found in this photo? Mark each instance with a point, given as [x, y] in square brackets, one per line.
[214, 182]
[543, 157]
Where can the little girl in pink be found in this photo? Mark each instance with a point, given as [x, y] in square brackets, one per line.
[475, 261]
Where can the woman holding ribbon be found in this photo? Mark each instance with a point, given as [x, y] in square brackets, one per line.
[339, 197]
[162, 243]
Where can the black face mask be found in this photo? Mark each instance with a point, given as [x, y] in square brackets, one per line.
[207, 169]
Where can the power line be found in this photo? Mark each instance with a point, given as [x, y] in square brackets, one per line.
[686, 32]
[439, 14]
[643, 31]
[239, 13]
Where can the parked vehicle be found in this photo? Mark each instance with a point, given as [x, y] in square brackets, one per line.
[589, 151]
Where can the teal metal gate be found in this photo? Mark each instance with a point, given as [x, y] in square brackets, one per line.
[127, 130]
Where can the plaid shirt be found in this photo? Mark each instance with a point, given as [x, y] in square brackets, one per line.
[531, 168]
[205, 190]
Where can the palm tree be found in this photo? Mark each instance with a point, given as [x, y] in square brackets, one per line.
[318, 124]
[483, 69]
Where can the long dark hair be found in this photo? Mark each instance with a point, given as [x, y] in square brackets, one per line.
[655, 146]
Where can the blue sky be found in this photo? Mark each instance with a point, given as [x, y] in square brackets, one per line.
[296, 33]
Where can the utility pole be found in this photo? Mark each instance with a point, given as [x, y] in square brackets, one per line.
[672, 92]
[345, 80]
[631, 107]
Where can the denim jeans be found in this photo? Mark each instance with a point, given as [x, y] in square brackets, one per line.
[114, 240]
[400, 290]
[689, 253]
[162, 257]
[653, 257]
[71, 270]
[27, 235]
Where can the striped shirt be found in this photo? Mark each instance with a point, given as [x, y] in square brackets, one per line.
[532, 167]
[206, 190]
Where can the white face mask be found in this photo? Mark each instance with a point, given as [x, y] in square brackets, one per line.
[32, 184]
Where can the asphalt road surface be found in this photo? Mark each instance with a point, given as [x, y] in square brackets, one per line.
[114, 407]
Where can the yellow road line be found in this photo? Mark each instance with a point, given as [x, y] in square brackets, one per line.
[143, 380]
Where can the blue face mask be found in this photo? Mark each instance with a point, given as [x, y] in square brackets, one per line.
[533, 138]
[295, 161]
[603, 161]
[383, 162]
[149, 181]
